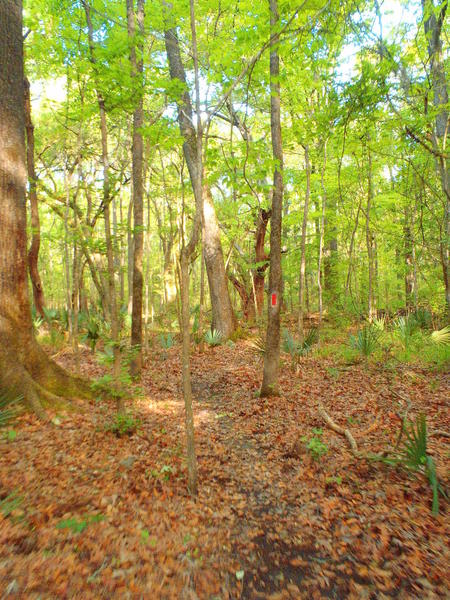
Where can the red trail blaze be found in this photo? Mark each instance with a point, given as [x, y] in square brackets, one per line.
[273, 300]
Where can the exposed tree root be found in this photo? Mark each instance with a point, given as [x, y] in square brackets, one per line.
[26, 371]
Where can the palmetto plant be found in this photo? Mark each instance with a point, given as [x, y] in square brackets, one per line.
[405, 328]
[297, 349]
[8, 409]
[259, 346]
[92, 334]
[167, 341]
[367, 340]
[414, 455]
[441, 336]
[213, 337]
[423, 317]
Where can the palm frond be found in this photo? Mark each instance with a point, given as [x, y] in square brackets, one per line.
[441, 336]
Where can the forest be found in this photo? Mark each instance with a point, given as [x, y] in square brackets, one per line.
[224, 299]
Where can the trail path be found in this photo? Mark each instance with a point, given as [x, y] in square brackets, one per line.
[102, 517]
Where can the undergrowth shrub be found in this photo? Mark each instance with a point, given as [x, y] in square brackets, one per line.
[367, 340]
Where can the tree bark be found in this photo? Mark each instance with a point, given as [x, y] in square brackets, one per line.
[269, 385]
[24, 367]
[433, 32]
[260, 257]
[369, 238]
[33, 252]
[137, 69]
[223, 318]
[106, 201]
[302, 279]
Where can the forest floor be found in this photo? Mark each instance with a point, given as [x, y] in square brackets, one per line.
[96, 516]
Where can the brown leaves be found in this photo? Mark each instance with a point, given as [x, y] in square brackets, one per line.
[294, 526]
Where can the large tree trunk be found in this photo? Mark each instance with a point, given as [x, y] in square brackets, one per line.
[223, 318]
[269, 385]
[433, 24]
[138, 190]
[33, 253]
[24, 367]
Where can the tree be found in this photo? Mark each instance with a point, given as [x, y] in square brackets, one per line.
[24, 367]
[138, 190]
[223, 318]
[272, 354]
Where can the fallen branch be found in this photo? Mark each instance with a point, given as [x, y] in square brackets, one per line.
[338, 429]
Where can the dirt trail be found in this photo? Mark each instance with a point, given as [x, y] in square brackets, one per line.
[106, 517]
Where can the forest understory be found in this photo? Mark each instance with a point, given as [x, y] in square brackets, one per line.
[84, 514]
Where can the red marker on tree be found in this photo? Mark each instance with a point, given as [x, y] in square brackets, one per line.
[273, 300]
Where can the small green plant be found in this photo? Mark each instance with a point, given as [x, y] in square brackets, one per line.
[167, 341]
[315, 445]
[298, 349]
[412, 455]
[366, 341]
[258, 345]
[404, 329]
[422, 317]
[213, 337]
[78, 526]
[379, 323]
[8, 409]
[10, 504]
[123, 424]
[92, 334]
[441, 337]
[334, 480]
[146, 539]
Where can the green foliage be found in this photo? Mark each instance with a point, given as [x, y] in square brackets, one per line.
[78, 526]
[298, 349]
[315, 444]
[213, 337]
[8, 409]
[404, 329]
[367, 340]
[259, 346]
[123, 424]
[167, 341]
[413, 456]
[10, 504]
[423, 317]
[441, 337]
[93, 329]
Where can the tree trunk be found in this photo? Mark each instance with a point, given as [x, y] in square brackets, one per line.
[322, 231]
[137, 66]
[106, 201]
[272, 354]
[260, 257]
[33, 253]
[433, 24]
[24, 368]
[223, 318]
[302, 282]
[369, 237]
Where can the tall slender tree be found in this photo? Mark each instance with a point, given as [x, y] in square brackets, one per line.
[137, 70]
[272, 354]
